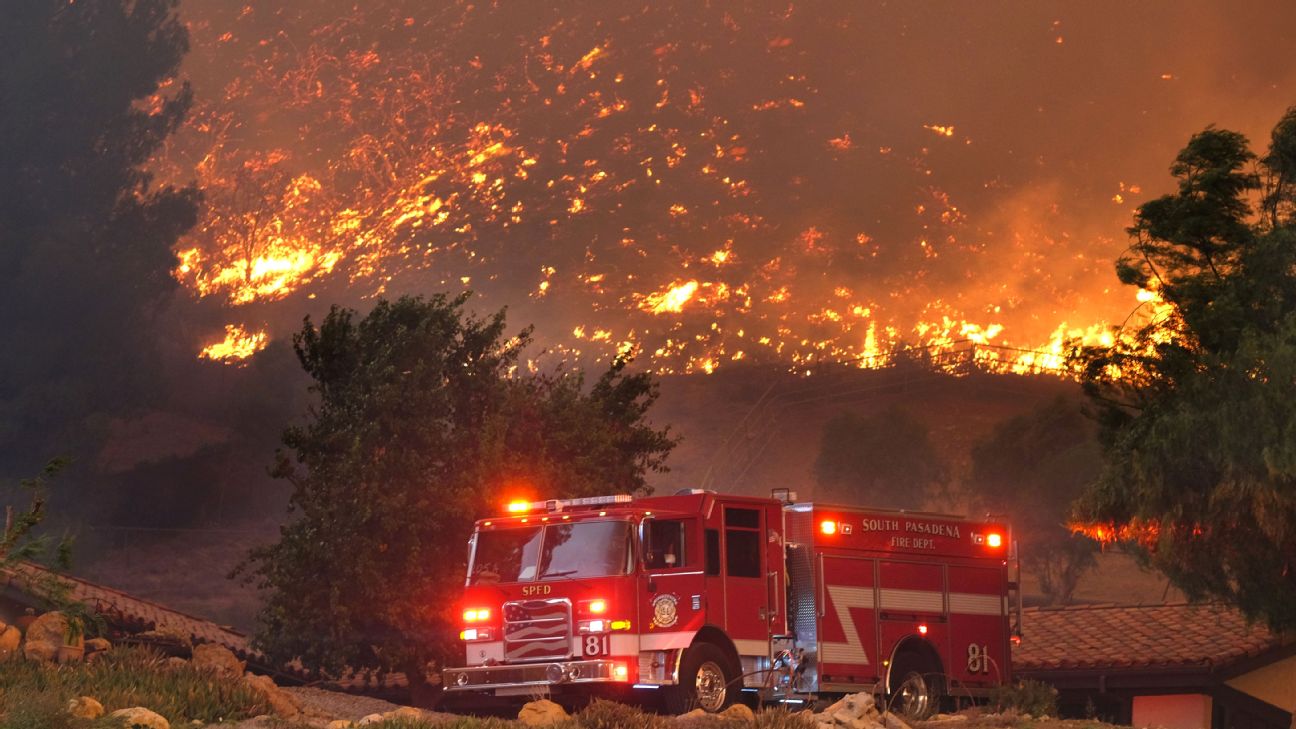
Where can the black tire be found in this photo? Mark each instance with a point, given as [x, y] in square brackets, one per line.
[707, 681]
[915, 688]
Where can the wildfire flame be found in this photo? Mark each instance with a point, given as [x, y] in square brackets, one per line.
[238, 345]
[582, 160]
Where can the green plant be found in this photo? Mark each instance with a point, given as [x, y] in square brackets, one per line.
[1028, 697]
[121, 678]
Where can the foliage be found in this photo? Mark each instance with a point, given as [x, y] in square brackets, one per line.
[122, 678]
[1031, 468]
[1027, 697]
[1198, 404]
[21, 544]
[85, 235]
[419, 429]
[885, 459]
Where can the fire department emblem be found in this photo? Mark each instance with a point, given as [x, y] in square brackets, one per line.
[665, 613]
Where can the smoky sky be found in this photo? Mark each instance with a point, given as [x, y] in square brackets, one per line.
[817, 168]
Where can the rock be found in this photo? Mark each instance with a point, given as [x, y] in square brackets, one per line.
[694, 714]
[49, 639]
[217, 660]
[949, 717]
[371, 719]
[738, 712]
[339, 724]
[404, 712]
[10, 640]
[891, 721]
[97, 645]
[85, 708]
[281, 702]
[174, 662]
[541, 713]
[138, 717]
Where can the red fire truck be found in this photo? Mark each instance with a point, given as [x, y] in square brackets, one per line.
[701, 595]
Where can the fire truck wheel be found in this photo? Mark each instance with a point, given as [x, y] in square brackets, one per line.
[913, 693]
[706, 681]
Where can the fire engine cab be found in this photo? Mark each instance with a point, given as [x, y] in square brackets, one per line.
[701, 596]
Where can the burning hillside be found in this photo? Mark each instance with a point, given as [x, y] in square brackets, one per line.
[797, 183]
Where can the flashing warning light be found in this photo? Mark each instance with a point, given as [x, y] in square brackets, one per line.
[922, 629]
[620, 625]
[517, 507]
[621, 672]
[994, 539]
[598, 607]
[469, 634]
[828, 527]
[476, 615]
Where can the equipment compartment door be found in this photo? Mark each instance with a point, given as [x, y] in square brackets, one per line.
[848, 620]
[978, 625]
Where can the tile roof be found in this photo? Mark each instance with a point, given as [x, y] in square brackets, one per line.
[1127, 637]
[130, 615]
[134, 614]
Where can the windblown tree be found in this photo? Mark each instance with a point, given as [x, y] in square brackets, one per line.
[1032, 468]
[421, 426]
[87, 96]
[885, 459]
[1198, 406]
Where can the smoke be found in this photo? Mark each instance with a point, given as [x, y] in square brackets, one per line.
[800, 182]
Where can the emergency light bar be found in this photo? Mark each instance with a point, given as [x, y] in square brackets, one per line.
[518, 507]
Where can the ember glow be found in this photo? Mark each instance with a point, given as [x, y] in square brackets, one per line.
[701, 184]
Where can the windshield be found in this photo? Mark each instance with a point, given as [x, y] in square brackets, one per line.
[576, 549]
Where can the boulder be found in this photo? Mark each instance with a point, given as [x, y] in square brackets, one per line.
[404, 712]
[85, 707]
[97, 645]
[694, 714]
[281, 702]
[49, 639]
[175, 662]
[138, 717]
[891, 721]
[217, 660]
[542, 713]
[738, 712]
[371, 719]
[10, 640]
[338, 724]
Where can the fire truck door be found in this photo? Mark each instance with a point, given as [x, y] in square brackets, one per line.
[746, 592]
[673, 604]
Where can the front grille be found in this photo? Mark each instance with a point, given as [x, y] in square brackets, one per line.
[537, 630]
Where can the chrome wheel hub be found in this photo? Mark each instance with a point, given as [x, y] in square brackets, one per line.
[914, 697]
[710, 687]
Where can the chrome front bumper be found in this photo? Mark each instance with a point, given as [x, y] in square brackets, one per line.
[559, 673]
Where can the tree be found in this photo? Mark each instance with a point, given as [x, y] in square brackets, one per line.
[422, 425]
[89, 95]
[886, 459]
[1197, 404]
[1031, 468]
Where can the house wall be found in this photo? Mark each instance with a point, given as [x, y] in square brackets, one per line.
[1175, 711]
[1274, 684]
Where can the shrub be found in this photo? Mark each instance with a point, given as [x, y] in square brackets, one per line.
[1028, 697]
